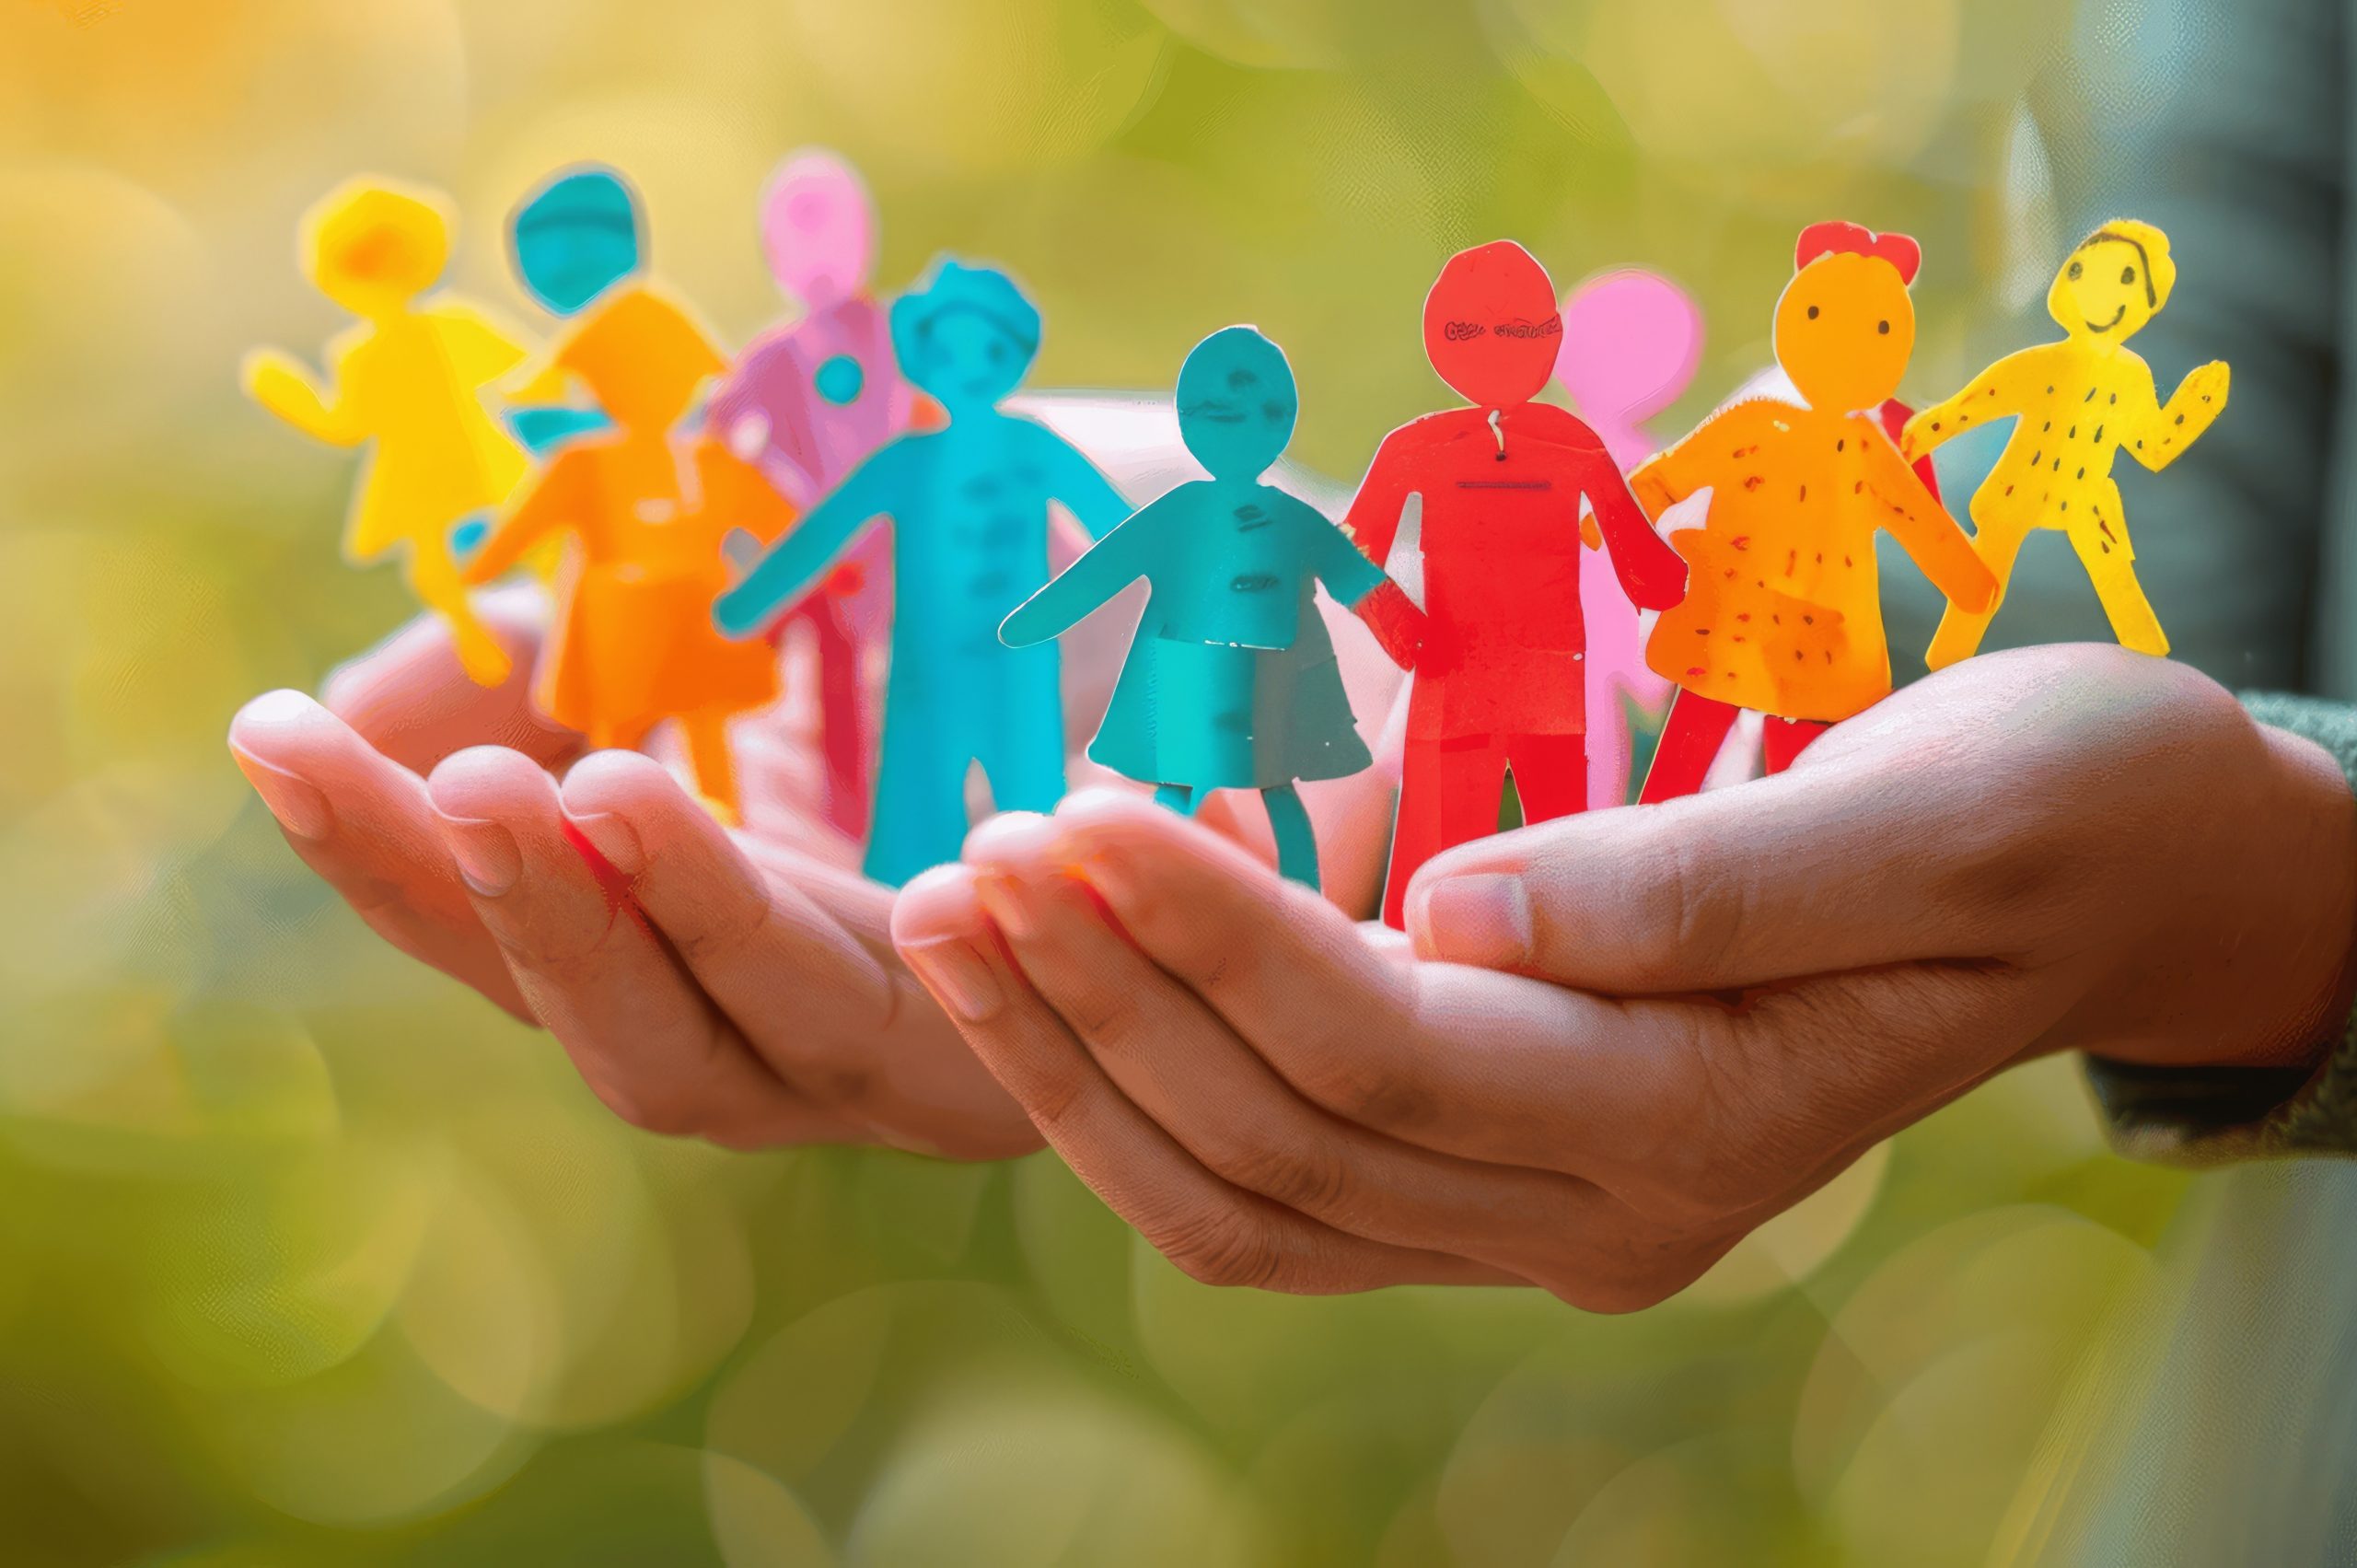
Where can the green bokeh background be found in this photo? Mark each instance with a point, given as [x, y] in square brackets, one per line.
[309, 1256]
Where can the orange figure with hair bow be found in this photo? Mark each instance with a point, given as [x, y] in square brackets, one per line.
[410, 377]
[1783, 612]
[633, 644]
[2076, 406]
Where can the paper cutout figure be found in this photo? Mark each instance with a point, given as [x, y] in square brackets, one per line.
[569, 241]
[647, 510]
[1783, 609]
[969, 506]
[408, 378]
[2076, 405]
[1632, 341]
[808, 402]
[1499, 648]
[1231, 681]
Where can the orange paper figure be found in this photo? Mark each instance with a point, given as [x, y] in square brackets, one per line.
[409, 378]
[634, 642]
[2076, 405]
[1783, 610]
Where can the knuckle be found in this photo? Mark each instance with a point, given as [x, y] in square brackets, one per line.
[1307, 1177]
[1220, 1247]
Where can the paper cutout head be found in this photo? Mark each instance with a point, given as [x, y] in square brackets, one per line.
[1490, 328]
[2115, 281]
[1845, 325]
[1237, 403]
[965, 335]
[819, 229]
[575, 237]
[373, 245]
[1632, 342]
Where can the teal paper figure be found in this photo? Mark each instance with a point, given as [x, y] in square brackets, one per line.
[1231, 682]
[969, 506]
[570, 241]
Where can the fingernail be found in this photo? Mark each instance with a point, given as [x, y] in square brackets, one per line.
[1481, 918]
[488, 860]
[298, 804]
[1008, 903]
[616, 840]
[957, 976]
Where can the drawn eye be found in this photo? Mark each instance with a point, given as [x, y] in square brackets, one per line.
[2075, 271]
[1883, 327]
[998, 353]
[2127, 275]
[1811, 312]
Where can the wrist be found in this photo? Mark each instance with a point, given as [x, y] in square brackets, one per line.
[2316, 896]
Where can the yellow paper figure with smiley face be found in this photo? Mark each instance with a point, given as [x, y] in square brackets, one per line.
[2076, 405]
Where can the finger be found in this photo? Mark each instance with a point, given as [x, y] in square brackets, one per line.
[783, 954]
[640, 1030]
[362, 822]
[1461, 1061]
[1820, 869]
[410, 699]
[1183, 1067]
[1216, 1232]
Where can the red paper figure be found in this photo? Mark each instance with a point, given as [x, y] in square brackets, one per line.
[1498, 650]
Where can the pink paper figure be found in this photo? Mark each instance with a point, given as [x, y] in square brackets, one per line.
[1632, 341]
[809, 401]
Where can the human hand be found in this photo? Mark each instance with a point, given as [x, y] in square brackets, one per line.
[1640, 1033]
[739, 986]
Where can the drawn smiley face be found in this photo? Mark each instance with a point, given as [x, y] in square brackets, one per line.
[2107, 287]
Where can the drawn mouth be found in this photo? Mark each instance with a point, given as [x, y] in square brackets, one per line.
[2117, 316]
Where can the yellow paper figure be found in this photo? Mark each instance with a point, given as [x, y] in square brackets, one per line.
[410, 377]
[2076, 405]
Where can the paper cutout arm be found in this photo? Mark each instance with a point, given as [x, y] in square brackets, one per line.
[789, 570]
[552, 502]
[1347, 575]
[1087, 494]
[736, 492]
[2002, 392]
[1922, 527]
[2161, 438]
[1650, 572]
[1371, 525]
[1126, 554]
[482, 348]
[279, 383]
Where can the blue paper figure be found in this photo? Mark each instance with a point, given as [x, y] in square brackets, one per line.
[968, 505]
[1231, 682]
[570, 241]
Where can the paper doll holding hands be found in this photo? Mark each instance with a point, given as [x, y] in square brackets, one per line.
[410, 377]
[2076, 406]
[969, 506]
[1231, 682]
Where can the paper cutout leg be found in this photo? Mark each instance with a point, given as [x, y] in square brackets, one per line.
[433, 578]
[1999, 544]
[1551, 775]
[1023, 753]
[715, 770]
[1782, 740]
[1690, 740]
[920, 799]
[1297, 842]
[843, 715]
[1449, 795]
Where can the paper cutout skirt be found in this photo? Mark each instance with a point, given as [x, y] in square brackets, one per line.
[1217, 716]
